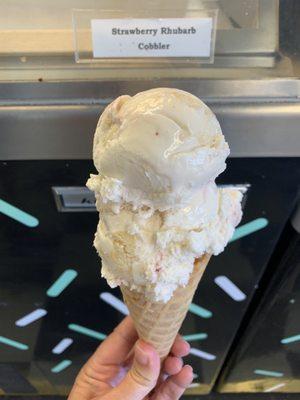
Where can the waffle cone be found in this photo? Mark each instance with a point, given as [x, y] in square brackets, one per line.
[158, 323]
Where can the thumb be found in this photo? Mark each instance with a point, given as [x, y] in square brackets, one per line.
[142, 376]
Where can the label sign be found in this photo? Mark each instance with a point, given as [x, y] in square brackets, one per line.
[164, 37]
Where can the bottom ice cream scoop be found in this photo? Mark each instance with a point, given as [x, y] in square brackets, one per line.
[154, 253]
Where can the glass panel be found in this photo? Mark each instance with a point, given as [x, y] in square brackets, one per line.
[254, 39]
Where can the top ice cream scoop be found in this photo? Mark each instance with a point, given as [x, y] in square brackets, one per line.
[162, 144]
[157, 155]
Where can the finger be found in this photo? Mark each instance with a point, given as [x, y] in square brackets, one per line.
[129, 359]
[172, 365]
[117, 345]
[174, 387]
[181, 347]
[142, 377]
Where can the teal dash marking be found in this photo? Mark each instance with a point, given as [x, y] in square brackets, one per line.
[249, 228]
[200, 311]
[62, 282]
[196, 336]
[268, 373]
[290, 339]
[87, 331]
[13, 343]
[61, 366]
[18, 215]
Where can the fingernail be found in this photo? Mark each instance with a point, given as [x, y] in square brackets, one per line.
[141, 356]
[190, 367]
[188, 347]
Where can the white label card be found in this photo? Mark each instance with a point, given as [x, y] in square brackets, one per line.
[164, 37]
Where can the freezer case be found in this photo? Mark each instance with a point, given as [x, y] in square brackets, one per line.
[267, 355]
[54, 307]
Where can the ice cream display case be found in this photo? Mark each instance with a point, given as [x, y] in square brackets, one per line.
[227, 38]
[266, 357]
[55, 309]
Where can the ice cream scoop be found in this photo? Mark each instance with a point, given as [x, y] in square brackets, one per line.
[162, 145]
[157, 155]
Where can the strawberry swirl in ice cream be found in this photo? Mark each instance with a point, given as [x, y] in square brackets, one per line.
[158, 154]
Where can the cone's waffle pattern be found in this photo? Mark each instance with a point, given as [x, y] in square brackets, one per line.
[158, 323]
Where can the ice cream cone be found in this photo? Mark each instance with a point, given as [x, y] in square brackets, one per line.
[158, 323]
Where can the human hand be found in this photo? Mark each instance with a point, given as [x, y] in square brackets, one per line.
[125, 368]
